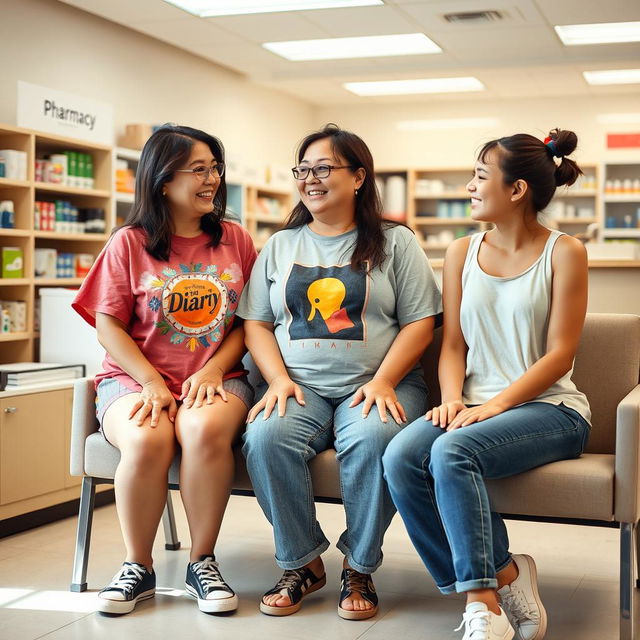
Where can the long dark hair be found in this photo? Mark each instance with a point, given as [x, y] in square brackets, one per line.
[168, 149]
[525, 157]
[370, 242]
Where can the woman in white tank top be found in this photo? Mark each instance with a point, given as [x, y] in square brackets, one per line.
[515, 299]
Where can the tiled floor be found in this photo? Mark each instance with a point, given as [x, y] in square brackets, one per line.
[578, 569]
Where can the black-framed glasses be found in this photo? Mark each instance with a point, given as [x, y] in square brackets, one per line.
[215, 171]
[319, 171]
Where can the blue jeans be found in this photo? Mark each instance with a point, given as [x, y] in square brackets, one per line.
[436, 479]
[278, 451]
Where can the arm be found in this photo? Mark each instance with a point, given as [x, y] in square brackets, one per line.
[453, 355]
[568, 310]
[208, 381]
[264, 349]
[155, 395]
[417, 301]
[404, 353]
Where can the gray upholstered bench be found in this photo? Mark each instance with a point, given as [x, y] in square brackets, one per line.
[601, 487]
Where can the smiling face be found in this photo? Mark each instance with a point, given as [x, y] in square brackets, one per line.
[491, 198]
[187, 195]
[331, 198]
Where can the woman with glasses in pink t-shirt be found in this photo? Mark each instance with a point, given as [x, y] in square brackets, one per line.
[162, 296]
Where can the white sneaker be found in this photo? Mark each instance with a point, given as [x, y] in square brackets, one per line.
[521, 601]
[482, 624]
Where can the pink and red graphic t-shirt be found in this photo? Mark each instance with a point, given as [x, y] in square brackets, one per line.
[177, 312]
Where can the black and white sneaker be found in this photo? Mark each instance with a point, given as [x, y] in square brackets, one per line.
[205, 582]
[129, 586]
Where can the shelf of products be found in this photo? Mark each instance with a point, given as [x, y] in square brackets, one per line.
[59, 188]
[125, 167]
[266, 210]
[435, 203]
[621, 202]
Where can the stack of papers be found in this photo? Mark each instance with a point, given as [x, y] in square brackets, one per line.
[24, 375]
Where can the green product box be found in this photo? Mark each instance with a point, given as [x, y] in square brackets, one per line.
[88, 171]
[81, 169]
[12, 262]
[72, 167]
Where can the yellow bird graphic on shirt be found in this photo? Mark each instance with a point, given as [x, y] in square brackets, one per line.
[326, 296]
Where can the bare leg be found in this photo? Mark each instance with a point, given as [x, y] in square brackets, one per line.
[207, 468]
[141, 477]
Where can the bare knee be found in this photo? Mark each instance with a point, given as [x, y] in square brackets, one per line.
[149, 449]
[206, 437]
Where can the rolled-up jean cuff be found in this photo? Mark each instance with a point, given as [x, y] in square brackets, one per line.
[480, 583]
[306, 559]
[362, 568]
[449, 589]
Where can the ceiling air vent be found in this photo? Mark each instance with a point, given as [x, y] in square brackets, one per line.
[474, 17]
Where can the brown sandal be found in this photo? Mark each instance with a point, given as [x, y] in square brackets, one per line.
[354, 581]
[296, 584]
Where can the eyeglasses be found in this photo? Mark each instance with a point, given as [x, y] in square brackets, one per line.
[202, 173]
[319, 171]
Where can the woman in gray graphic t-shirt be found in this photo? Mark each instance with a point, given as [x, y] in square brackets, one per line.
[338, 311]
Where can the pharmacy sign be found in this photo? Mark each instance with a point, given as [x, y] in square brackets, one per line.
[64, 114]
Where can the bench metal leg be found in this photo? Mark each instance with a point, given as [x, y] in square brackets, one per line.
[83, 537]
[627, 575]
[637, 541]
[169, 524]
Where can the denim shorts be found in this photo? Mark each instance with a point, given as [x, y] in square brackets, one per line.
[109, 390]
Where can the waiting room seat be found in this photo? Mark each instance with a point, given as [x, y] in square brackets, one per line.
[602, 487]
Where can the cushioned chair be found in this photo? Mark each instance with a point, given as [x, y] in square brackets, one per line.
[600, 488]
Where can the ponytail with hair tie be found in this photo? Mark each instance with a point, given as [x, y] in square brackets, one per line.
[551, 145]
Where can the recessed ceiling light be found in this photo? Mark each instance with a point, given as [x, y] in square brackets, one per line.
[601, 33]
[446, 123]
[211, 8]
[613, 76]
[424, 85]
[405, 44]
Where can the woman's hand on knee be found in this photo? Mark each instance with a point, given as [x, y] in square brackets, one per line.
[477, 414]
[442, 415]
[380, 392]
[154, 397]
[280, 388]
[203, 385]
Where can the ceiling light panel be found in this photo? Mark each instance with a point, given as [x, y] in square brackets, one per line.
[406, 87]
[405, 44]
[214, 8]
[602, 33]
[446, 123]
[612, 76]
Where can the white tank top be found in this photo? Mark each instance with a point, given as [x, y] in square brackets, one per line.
[504, 322]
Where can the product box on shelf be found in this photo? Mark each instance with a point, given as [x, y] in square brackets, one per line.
[83, 261]
[15, 164]
[17, 312]
[135, 136]
[45, 263]
[12, 262]
[7, 214]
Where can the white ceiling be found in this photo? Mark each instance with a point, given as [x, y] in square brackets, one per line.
[518, 57]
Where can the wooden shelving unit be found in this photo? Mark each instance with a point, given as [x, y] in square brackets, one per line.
[22, 346]
[266, 209]
[437, 205]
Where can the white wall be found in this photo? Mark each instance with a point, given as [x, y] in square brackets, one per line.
[49, 43]
[377, 125]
